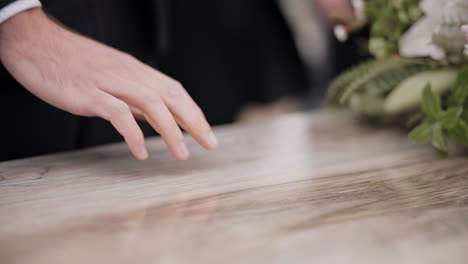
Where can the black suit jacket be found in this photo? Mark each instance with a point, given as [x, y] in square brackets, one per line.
[224, 52]
[4, 3]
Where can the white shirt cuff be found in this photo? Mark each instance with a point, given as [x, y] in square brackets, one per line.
[17, 7]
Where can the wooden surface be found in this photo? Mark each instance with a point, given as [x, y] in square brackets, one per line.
[308, 188]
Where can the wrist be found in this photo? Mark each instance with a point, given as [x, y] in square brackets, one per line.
[357, 20]
[10, 8]
[20, 20]
[359, 10]
[19, 27]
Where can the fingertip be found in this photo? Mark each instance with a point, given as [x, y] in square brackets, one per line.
[142, 153]
[181, 151]
[141, 158]
[211, 140]
[182, 158]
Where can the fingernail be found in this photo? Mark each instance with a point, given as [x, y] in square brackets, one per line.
[182, 151]
[143, 153]
[211, 140]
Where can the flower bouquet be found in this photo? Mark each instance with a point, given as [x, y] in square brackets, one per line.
[418, 77]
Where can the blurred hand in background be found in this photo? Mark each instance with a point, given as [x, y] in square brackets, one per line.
[336, 11]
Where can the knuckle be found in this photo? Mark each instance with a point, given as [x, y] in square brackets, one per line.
[117, 109]
[81, 105]
[198, 115]
[128, 58]
[136, 135]
[177, 85]
[201, 128]
[172, 132]
[174, 91]
[177, 138]
[98, 108]
[151, 97]
[205, 127]
[129, 63]
[80, 109]
[199, 112]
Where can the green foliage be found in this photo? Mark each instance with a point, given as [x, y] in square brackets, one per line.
[438, 139]
[376, 73]
[459, 133]
[431, 128]
[441, 117]
[337, 86]
[459, 91]
[428, 96]
[389, 20]
[364, 87]
[421, 133]
[431, 103]
[408, 94]
[449, 118]
[440, 125]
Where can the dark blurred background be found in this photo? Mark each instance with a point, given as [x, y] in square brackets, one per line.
[241, 60]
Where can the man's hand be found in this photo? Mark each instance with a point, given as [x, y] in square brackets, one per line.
[87, 78]
[336, 11]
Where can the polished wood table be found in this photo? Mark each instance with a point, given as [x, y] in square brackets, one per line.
[307, 188]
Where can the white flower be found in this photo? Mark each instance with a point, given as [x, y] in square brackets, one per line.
[417, 41]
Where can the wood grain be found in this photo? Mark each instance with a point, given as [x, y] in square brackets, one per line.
[308, 188]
